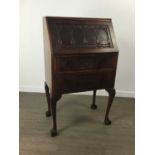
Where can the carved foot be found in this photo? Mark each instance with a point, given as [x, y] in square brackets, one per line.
[54, 100]
[111, 92]
[93, 106]
[107, 122]
[54, 132]
[48, 113]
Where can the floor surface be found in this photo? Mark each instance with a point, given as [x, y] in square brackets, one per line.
[81, 130]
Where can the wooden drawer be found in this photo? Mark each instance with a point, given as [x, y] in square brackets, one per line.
[85, 62]
[69, 82]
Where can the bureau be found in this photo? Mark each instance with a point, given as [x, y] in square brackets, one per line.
[80, 55]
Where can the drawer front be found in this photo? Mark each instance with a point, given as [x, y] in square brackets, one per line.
[69, 82]
[85, 62]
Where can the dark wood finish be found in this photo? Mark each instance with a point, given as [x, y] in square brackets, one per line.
[80, 55]
[54, 100]
[94, 106]
[85, 62]
[111, 92]
[48, 112]
[81, 35]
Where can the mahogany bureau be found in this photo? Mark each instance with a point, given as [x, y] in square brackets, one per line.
[80, 55]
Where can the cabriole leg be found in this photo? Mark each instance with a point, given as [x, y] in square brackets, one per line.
[93, 105]
[54, 100]
[111, 92]
[48, 112]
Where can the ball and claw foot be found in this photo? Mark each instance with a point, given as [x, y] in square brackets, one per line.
[54, 133]
[48, 114]
[107, 122]
[93, 106]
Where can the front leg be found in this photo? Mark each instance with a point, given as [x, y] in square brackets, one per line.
[54, 100]
[48, 112]
[93, 105]
[111, 92]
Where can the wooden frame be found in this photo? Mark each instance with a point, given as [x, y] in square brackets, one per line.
[80, 55]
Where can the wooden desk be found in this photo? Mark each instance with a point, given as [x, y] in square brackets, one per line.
[80, 55]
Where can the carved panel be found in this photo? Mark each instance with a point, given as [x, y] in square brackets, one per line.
[76, 36]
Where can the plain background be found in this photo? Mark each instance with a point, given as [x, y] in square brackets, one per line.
[31, 67]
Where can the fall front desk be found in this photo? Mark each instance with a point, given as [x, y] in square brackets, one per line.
[80, 55]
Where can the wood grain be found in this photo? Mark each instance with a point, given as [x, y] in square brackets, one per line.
[80, 55]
